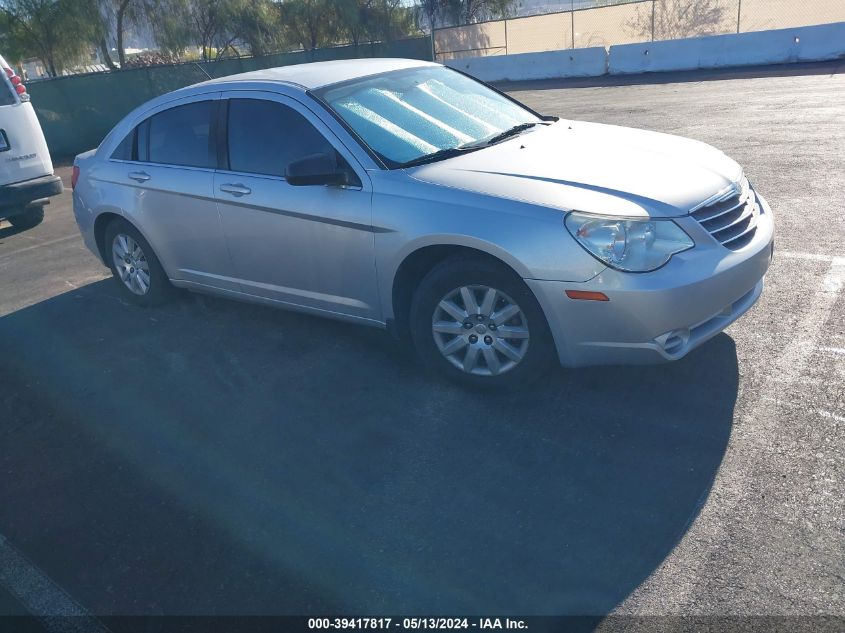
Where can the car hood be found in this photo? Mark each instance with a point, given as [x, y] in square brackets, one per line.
[594, 168]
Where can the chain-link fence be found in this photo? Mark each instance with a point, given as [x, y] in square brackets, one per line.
[609, 22]
[76, 112]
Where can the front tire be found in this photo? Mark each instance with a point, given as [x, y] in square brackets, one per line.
[30, 218]
[134, 265]
[476, 322]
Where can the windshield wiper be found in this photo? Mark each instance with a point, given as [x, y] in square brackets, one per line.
[501, 136]
[450, 152]
[440, 154]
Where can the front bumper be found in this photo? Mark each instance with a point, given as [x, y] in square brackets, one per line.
[662, 315]
[16, 196]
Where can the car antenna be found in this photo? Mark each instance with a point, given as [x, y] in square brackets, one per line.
[204, 71]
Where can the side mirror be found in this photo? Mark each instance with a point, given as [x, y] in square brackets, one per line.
[317, 169]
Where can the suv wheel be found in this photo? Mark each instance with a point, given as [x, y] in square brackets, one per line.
[476, 322]
[134, 265]
[28, 219]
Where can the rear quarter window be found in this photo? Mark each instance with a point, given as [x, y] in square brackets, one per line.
[126, 149]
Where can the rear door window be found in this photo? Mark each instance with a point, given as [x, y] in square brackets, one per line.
[265, 136]
[180, 136]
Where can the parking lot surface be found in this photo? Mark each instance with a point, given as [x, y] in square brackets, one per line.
[212, 457]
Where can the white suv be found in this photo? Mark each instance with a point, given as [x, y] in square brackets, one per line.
[26, 171]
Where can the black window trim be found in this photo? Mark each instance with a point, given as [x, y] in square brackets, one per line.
[143, 128]
[134, 153]
[221, 129]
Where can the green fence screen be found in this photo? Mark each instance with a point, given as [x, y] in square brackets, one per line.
[76, 112]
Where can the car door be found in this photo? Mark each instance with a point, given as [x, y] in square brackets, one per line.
[167, 165]
[309, 246]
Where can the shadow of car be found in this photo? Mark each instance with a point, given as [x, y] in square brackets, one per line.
[216, 457]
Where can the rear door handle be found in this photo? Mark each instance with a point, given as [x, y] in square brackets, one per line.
[140, 176]
[236, 189]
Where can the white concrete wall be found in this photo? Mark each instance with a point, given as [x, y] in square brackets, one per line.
[579, 62]
[806, 43]
[799, 44]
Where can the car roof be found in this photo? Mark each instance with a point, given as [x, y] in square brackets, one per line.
[319, 74]
[308, 76]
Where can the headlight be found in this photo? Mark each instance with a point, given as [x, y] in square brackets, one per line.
[629, 245]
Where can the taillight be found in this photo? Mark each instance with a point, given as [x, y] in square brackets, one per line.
[17, 83]
[74, 177]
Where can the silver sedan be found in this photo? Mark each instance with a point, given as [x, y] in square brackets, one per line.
[408, 196]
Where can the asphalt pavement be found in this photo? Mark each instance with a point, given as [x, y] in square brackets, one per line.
[214, 457]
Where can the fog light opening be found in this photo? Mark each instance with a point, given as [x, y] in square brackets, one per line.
[675, 341]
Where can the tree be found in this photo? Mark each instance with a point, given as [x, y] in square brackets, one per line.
[470, 11]
[309, 23]
[676, 19]
[258, 26]
[354, 16]
[126, 13]
[11, 43]
[171, 26]
[390, 20]
[433, 13]
[218, 24]
[58, 32]
[114, 20]
[372, 20]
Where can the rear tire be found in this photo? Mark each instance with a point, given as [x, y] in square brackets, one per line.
[475, 322]
[30, 218]
[134, 265]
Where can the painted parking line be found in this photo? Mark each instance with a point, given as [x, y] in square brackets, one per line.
[43, 598]
[829, 415]
[34, 246]
[755, 426]
[814, 257]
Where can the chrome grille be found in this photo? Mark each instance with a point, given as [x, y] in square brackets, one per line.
[732, 218]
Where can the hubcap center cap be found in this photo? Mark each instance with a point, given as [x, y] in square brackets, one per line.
[481, 328]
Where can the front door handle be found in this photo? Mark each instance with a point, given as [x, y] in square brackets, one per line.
[140, 176]
[236, 189]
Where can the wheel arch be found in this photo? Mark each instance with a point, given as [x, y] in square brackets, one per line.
[101, 223]
[417, 263]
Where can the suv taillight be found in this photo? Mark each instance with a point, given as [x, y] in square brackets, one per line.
[74, 177]
[17, 84]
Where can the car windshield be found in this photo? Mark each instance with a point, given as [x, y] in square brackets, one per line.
[410, 115]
